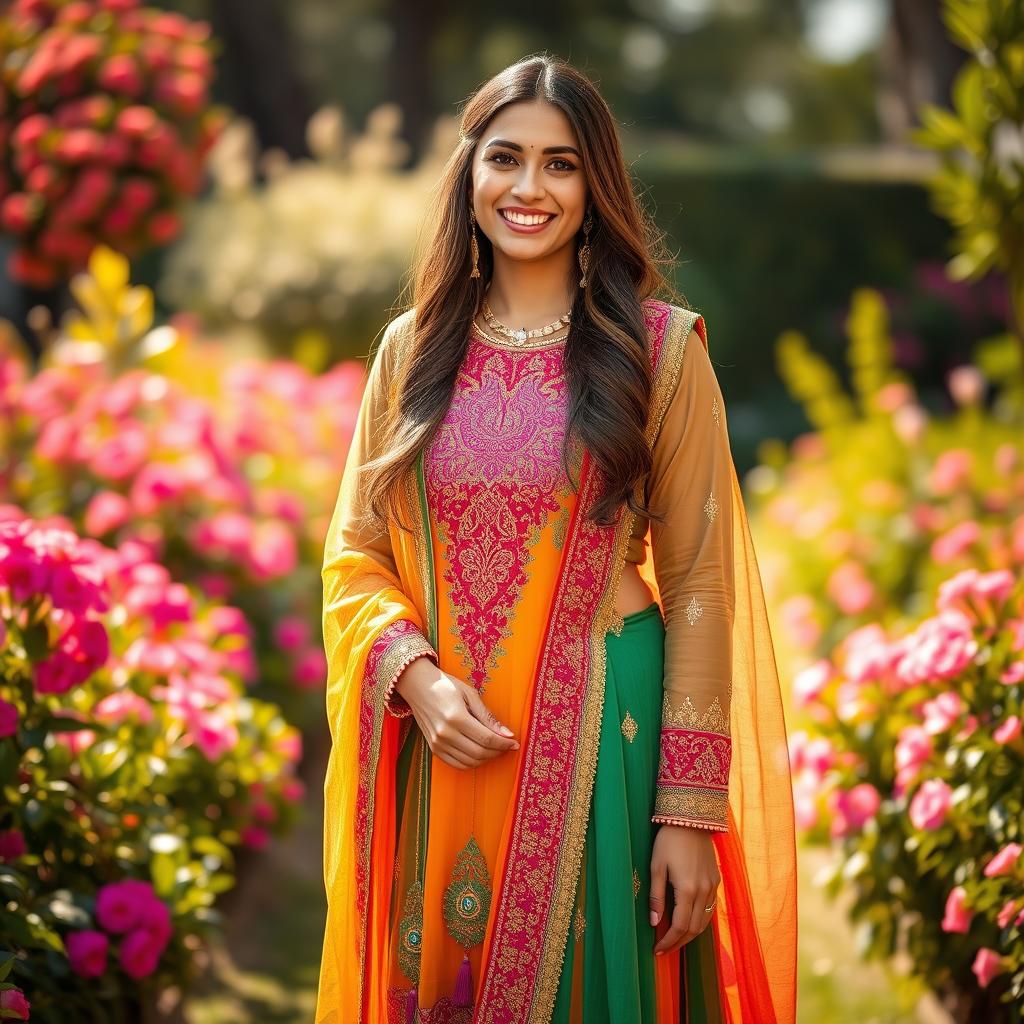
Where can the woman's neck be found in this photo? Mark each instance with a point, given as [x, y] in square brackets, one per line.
[530, 294]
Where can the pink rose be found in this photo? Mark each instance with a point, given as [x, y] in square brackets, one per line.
[955, 542]
[122, 704]
[1004, 862]
[958, 916]
[808, 684]
[1013, 675]
[106, 512]
[14, 999]
[987, 964]
[1006, 915]
[8, 719]
[951, 471]
[930, 805]
[941, 712]
[120, 905]
[311, 669]
[940, 648]
[851, 590]
[995, 586]
[957, 588]
[290, 633]
[213, 733]
[1008, 731]
[853, 808]
[868, 655]
[12, 845]
[87, 951]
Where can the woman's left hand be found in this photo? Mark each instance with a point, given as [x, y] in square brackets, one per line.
[684, 857]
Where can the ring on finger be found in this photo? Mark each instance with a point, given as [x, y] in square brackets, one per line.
[710, 907]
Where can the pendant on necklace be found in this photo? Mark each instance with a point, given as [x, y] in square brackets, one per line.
[521, 335]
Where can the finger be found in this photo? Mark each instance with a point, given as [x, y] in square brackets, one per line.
[452, 758]
[700, 917]
[656, 898]
[677, 932]
[484, 727]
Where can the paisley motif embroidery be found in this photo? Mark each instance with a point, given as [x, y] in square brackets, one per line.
[714, 410]
[694, 610]
[494, 476]
[711, 507]
[629, 727]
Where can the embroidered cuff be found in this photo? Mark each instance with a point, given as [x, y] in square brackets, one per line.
[397, 646]
[693, 779]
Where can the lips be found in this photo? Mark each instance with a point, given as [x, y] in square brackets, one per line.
[529, 221]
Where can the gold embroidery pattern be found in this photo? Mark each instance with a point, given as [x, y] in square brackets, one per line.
[618, 622]
[405, 647]
[711, 507]
[558, 531]
[692, 806]
[694, 610]
[579, 925]
[629, 727]
[685, 716]
[636, 884]
[714, 410]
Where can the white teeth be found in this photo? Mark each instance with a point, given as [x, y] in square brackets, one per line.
[521, 218]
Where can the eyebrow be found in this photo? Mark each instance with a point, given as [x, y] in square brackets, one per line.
[518, 148]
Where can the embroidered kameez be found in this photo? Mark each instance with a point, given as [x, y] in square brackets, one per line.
[505, 584]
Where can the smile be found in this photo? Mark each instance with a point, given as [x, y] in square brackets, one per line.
[526, 222]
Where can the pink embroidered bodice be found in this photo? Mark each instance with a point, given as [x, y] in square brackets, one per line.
[495, 480]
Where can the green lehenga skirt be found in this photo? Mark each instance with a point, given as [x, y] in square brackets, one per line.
[608, 973]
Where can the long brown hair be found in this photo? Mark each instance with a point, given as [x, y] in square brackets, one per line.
[607, 368]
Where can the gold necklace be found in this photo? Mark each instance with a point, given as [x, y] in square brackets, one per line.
[514, 345]
[522, 335]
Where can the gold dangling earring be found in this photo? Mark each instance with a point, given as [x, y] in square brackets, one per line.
[472, 239]
[584, 253]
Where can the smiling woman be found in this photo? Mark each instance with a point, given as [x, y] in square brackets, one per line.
[532, 809]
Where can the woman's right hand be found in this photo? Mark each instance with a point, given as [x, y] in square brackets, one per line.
[459, 728]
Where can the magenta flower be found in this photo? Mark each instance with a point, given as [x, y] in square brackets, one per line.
[851, 590]
[987, 964]
[12, 845]
[995, 586]
[122, 455]
[140, 953]
[121, 905]
[57, 674]
[1004, 862]
[273, 552]
[156, 485]
[291, 633]
[87, 952]
[213, 733]
[8, 719]
[930, 804]
[254, 837]
[311, 669]
[1013, 675]
[958, 915]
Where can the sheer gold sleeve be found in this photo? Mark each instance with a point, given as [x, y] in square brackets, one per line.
[690, 484]
[359, 573]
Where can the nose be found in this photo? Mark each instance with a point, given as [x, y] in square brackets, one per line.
[527, 185]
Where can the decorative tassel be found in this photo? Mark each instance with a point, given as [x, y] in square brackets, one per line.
[463, 994]
[410, 1005]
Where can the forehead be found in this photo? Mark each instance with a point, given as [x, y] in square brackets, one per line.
[531, 123]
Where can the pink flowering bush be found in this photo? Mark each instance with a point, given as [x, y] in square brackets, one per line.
[104, 128]
[224, 471]
[912, 768]
[133, 764]
[859, 521]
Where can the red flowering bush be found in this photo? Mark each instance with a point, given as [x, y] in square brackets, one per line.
[132, 763]
[912, 768]
[104, 126]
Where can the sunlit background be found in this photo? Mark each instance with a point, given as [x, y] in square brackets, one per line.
[207, 215]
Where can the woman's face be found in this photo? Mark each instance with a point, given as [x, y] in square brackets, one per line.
[527, 163]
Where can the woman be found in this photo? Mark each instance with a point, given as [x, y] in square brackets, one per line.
[558, 789]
